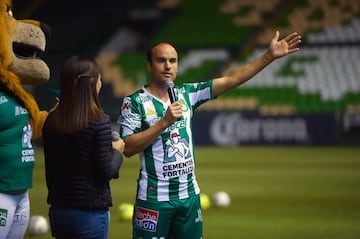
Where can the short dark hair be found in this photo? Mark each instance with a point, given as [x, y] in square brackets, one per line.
[149, 51]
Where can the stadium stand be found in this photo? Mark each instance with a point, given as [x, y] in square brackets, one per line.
[253, 9]
[322, 77]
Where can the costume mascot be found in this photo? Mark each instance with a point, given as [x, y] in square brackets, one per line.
[21, 45]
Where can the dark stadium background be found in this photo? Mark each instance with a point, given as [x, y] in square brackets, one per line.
[284, 145]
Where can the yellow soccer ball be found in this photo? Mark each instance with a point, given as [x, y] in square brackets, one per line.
[205, 201]
[125, 212]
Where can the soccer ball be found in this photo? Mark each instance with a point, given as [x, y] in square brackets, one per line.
[38, 225]
[221, 199]
[204, 201]
[125, 212]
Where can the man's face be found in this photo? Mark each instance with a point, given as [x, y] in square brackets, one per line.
[164, 63]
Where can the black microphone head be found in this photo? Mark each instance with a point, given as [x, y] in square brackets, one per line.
[115, 135]
[170, 89]
[169, 84]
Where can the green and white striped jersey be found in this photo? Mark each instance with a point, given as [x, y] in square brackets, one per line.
[168, 165]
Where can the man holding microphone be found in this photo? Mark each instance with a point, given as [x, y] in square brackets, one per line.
[167, 202]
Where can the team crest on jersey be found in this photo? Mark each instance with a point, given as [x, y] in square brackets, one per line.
[146, 219]
[184, 106]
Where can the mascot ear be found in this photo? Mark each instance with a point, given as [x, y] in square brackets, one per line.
[46, 29]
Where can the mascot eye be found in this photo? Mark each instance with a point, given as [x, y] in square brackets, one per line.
[9, 11]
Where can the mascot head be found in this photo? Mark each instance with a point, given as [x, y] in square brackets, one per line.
[22, 43]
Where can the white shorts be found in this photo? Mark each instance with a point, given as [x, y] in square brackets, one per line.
[14, 215]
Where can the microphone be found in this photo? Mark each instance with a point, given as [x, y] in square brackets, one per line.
[170, 88]
[115, 135]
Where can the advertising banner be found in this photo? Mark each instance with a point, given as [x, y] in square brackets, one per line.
[231, 128]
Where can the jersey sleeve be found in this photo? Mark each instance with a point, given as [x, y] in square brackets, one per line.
[199, 93]
[130, 118]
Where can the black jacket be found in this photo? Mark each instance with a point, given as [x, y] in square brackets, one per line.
[79, 166]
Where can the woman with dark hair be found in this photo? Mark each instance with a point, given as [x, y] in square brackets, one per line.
[80, 155]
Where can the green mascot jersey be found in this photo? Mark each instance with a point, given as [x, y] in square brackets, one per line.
[16, 151]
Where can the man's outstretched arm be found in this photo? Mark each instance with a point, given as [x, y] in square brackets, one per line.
[277, 49]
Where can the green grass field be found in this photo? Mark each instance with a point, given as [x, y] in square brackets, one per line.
[276, 192]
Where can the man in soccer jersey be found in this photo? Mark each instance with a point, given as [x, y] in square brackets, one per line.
[167, 202]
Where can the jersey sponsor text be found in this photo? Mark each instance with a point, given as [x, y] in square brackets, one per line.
[146, 219]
